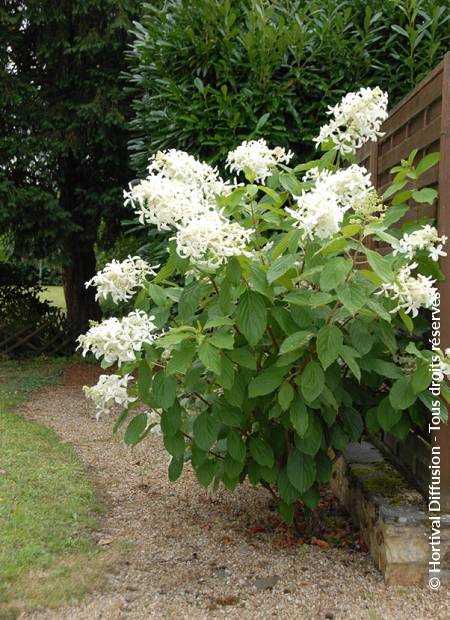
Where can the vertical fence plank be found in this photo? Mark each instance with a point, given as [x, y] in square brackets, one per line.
[442, 437]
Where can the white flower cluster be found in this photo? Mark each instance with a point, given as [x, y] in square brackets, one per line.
[177, 189]
[118, 340]
[356, 119]
[321, 210]
[109, 390]
[411, 293]
[121, 279]
[258, 157]
[210, 240]
[445, 364]
[425, 238]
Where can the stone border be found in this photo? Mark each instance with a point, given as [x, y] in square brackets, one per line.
[391, 515]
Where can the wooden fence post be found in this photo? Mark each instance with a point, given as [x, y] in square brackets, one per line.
[442, 437]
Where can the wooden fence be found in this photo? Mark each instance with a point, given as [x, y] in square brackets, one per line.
[421, 121]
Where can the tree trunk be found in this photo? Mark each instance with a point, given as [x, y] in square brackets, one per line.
[80, 302]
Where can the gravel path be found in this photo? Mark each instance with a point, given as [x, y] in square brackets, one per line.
[195, 555]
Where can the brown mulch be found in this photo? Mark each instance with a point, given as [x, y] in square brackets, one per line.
[197, 555]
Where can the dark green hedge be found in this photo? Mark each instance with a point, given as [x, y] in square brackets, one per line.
[206, 74]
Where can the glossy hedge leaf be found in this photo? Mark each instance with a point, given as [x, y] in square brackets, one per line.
[301, 470]
[205, 429]
[266, 381]
[402, 395]
[252, 316]
[136, 429]
[175, 468]
[329, 344]
[298, 415]
[312, 381]
[236, 446]
[261, 452]
[334, 273]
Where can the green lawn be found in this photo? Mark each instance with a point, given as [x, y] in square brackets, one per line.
[55, 295]
[47, 506]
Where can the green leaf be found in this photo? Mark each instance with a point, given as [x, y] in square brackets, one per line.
[206, 429]
[171, 420]
[252, 316]
[295, 341]
[175, 468]
[301, 470]
[380, 264]
[222, 341]
[136, 429]
[312, 381]
[227, 375]
[279, 267]
[323, 467]
[236, 446]
[144, 380]
[174, 444]
[164, 389]
[181, 360]
[258, 280]
[232, 467]
[386, 369]
[427, 162]
[261, 452]
[407, 321]
[244, 357]
[421, 378]
[120, 420]
[234, 270]
[285, 395]
[210, 357]
[286, 511]
[402, 395]
[352, 297]
[334, 273]
[286, 490]
[427, 194]
[312, 497]
[312, 440]
[329, 344]
[205, 472]
[299, 415]
[266, 381]
[158, 294]
[189, 302]
[335, 246]
[394, 214]
[218, 321]
[349, 359]
[387, 416]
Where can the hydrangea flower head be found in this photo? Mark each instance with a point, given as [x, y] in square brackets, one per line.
[109, 390]
[257, 156]
[355, 120]
[118, 340]
[426, 238]
[411, 293]
[121, 279]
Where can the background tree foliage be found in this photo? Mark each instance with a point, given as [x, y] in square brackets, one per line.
[64, 161]
[207, 74]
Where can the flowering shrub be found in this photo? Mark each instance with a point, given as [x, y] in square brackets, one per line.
[274, 335]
